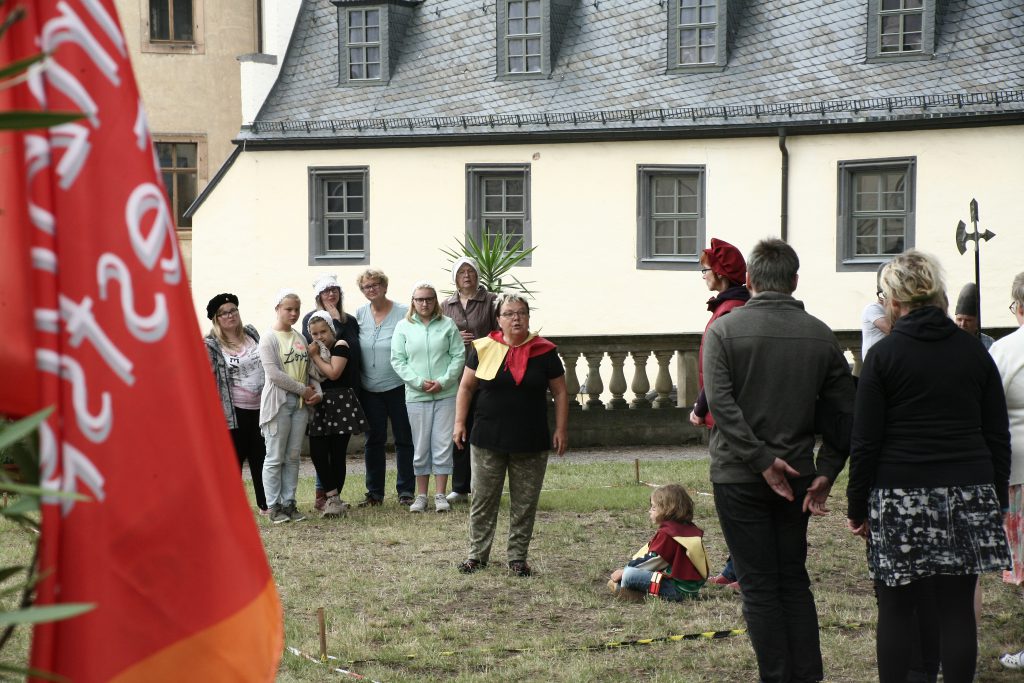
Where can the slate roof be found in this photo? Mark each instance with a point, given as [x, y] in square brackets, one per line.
[789, 60]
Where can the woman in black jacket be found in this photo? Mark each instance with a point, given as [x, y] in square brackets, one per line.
[929, 464]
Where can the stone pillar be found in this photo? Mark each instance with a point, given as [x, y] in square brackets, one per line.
[617, 385]
[858, 362]
[641, 385]
[663, 382]
[594, 384]
[572, 385]
[689, 386]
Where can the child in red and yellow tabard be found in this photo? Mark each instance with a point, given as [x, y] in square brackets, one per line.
[673, 565]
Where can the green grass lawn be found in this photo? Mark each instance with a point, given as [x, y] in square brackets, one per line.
[396, 605]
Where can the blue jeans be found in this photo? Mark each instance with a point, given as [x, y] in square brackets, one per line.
[380, 406]
[283, 436]
[767, 538]
[432, 424]
[640, 580]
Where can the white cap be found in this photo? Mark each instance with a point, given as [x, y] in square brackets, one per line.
[282, 294]
[464, 261]
[325, 282]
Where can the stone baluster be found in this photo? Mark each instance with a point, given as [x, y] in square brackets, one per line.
[640, 385]
[858, 362]
[572, 384]
[689, 382]
[594, 384]
[663, 382]
[617, 384]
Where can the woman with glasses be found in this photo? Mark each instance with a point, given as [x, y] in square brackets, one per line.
[725, 272]
[511, 371]
[1008, 354]
[929, 466]
[383, 393]
[235, 359]
[329, 298]
[428, 355]
[472, 309]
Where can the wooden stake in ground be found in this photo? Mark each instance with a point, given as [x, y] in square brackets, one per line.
[636, 466]
[323, 633]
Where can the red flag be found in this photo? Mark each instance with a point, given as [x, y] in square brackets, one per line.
[99, 312]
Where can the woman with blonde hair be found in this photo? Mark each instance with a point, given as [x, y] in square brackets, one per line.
[233, 348]
[283, 413]
[428, 355]
[929, 465]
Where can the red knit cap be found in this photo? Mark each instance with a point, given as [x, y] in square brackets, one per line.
[726, 260]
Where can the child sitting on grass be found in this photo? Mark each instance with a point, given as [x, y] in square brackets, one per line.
[673, 564]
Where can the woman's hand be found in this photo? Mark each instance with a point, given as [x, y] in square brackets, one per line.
[309, 395]
[459, 435]
[858, 527]
[617, 576]
[466, 336]
[341, 342]
[431, 386]
[560, 441]
[333, 310]
[696, 421]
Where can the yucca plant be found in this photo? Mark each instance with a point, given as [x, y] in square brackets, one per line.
[496, 255]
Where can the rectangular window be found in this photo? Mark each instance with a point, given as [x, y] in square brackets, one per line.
[900, 26]
[338, 215]
[523, 36]
[670, 209]
[697, 29]
[170, 21]
[876, 210]
[364, 44]
[498, 203]
[179, 167]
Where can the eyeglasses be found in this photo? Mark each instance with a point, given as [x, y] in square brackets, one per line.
[704, 270]
[424, 300]
[515, 314]
[1014, 307]
[228, 314]
[370, 285]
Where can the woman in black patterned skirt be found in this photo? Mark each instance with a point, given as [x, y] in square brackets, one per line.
[338, 416]
[929, 464]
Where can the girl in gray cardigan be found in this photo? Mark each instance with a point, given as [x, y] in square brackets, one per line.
[283, 407]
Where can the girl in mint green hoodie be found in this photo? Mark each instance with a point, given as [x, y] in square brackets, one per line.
[428, 354]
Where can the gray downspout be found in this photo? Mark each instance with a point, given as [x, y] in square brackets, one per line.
[785, 186]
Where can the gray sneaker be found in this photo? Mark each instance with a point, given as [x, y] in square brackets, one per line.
[334, 507]
[420, 504]
[440, 503]
[454, 497]
[278, 515]
[293, 513]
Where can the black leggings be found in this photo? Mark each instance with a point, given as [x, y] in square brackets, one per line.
[936, 608]
[328, 456]
[249, 447]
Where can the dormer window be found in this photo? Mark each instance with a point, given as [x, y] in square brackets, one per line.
[529, 35]
[370, 34]
[523, 36]
[901, 29]
[364, 44]
[697, 35]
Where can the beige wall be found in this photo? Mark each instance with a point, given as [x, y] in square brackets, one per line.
[250, 237]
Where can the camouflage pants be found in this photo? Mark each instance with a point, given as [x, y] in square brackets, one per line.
[525, 479]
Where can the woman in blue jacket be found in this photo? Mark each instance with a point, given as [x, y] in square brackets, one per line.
[428, 354]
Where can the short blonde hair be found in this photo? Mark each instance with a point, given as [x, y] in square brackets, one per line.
[672, 502]
[1017, 291]
[371, 274]
[510, 298]
[914, 279]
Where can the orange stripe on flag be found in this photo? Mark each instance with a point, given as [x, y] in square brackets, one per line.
[244, 647]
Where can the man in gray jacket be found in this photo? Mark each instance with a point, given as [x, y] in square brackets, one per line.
[767, 367]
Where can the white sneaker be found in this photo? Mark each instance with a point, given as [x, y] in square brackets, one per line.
[1013, 661]
[334, 507]
[420, 504]
[440, 503]
[454, 497]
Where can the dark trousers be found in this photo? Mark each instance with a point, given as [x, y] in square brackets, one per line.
[381, 406]
[767, 538]
[249, 447]
[462, 470]
[328, 456]
[949, 602]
